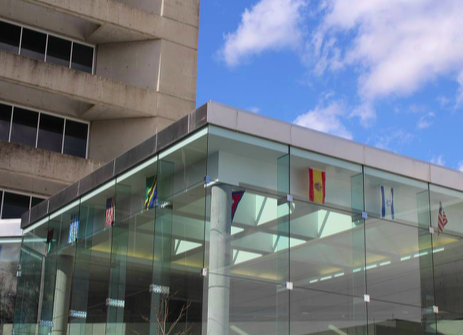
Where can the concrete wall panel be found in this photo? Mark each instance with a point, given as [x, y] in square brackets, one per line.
[111, 138]
[264, 127]
[183, 11]
[178, 71]
[446, 177]
[152, 6]
[134, 63]
[173, 108]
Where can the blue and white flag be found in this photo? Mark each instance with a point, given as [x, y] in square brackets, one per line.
[73, 228]
[387, 202]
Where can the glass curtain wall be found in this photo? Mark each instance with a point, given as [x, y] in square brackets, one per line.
[227, 233]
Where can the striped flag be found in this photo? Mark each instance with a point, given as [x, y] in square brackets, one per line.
[317, 186]
[110, 211]
[441, 219]
[151, 192]
[387, 202]
[73, 228]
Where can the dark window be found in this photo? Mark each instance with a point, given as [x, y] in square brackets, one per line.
[50, 133]
[9, 37]
[75, 140]
[58, 51]
[82, 58]
[1, 199]
[36, 201]
[5, 119]
[14, 205]
[33, 44]
[24, 129]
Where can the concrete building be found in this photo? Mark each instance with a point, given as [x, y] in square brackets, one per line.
[83, 81]
[229, 222]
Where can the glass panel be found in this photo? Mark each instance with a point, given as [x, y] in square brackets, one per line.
[399, 263]
[244, 161]
[393, 197]
[24, 130]
[178, 253]
[448, 269]
[88, 311]
[5, 120]
[82, 57]
[10, 249]
[14, 205]
[449, 323]
[36, 201]
[451, 215]
[33, 44]
[317, 312]
[75, 141]
[239, 306]
[387, 318]
[64, 225]
[327, 250]
[50, 133]
[58, 51]
[326, 180]
[29, 297]
[9, 37]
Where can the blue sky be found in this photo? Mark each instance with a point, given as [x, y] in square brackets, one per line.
[387, 73]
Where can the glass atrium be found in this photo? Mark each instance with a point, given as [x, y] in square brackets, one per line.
[227, 233]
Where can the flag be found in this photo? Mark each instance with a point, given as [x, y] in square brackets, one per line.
[73, 228]
[50, 239]
[236, 198]
[110, 212]
[317, 186]
[387, 202]
[151, 193]
[441, 219]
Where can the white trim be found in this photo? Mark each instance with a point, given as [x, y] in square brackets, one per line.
[183, 143]
[11, 123]
[64, 135]
[46, 48]
[88, 139]
[137, 169]
[35, 225]
[20, 39]
[22, 193]
[98, 190]
[1, 203]
[65, 209]
[37, 132]
[70, 59]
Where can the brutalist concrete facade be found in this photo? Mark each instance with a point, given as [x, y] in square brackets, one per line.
[143, 79]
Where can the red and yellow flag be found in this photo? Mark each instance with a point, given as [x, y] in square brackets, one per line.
[317, 188]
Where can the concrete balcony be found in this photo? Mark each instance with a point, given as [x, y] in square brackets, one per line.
[38, 171]
[109, 21]
[104, 99]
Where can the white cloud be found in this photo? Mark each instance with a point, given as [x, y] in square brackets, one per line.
[255, 110]
[366, 113]
[439, 160]
[326, 119]
[268, 25]
[425, 121]
[398, 45]
[391, 139]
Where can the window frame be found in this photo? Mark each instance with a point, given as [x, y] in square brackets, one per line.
[72, 40]
[65, 118]
[2, 200]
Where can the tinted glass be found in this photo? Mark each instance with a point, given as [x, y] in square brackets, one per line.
[50, 133]
[33, 44]
[58, 51]
[5, 119]
[75, 141]
[82, 58]
[36, 201]
[9, 37]
[24, 130]
[14, 205]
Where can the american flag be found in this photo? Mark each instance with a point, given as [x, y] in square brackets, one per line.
[441, 219]
[110, 211]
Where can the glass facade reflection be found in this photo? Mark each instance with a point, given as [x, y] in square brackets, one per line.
[227, 233]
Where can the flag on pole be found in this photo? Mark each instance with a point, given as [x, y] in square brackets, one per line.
[110, 211]
[387, 202]
[317, 186]
[441, 219]
[73, 228]
[151, 192]
[236, 198]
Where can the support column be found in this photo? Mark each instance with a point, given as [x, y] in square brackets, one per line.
[219, 261]
[62, 295]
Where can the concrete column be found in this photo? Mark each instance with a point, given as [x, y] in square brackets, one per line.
[219, 261]
[62, 294]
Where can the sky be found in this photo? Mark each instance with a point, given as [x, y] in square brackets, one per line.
[386, 73]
